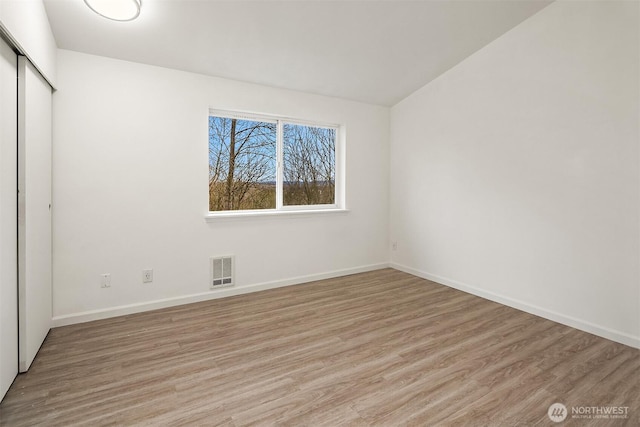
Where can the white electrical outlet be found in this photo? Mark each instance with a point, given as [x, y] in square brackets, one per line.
[147, 276]
[105, 280]
[394, 246]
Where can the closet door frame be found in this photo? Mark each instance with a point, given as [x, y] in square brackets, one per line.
[34, 211]
[8, 217]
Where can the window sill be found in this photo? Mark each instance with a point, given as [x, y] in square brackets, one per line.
[216, 216]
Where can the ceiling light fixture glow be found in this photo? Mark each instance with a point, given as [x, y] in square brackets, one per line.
[117, 10]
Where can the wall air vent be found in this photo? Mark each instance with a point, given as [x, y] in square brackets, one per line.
[221, 272]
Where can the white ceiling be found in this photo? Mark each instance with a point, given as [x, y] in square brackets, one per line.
[372, 51]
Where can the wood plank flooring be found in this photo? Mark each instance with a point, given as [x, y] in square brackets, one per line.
[381, 348]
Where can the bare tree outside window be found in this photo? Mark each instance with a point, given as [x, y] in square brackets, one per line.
[309, 165]
[244, 169]
[242, 164]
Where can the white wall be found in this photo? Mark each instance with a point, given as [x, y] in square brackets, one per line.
[130, 189]
[27, 24]
[515, 175]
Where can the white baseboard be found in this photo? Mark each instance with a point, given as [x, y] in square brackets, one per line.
[88, 316]
[583, 325]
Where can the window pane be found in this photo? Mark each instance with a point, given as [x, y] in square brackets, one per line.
[309, 165]
[242, 164]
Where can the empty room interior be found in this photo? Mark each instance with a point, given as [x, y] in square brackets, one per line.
[319, 212]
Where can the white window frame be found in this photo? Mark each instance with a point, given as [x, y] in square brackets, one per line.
[338, 207]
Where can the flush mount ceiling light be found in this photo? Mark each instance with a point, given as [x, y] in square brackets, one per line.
[117, 10]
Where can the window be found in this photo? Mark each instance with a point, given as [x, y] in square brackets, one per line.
[242, 164]
[265, 163]
[309, 165]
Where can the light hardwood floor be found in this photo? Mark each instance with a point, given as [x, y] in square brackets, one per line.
[380, 348]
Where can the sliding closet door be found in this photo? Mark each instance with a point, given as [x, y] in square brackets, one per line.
[34, 210]
[8, 219]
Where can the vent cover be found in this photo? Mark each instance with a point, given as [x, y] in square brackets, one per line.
[220, 271]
